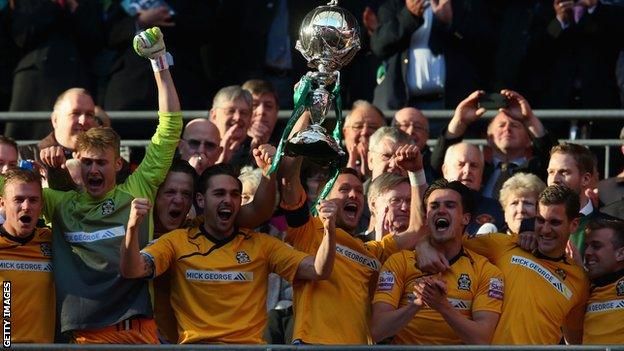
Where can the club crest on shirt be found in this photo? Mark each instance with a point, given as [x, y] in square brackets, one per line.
[46, 249]
[561, 273]
[108, 206]
[463, 282]
[619, 288]
[242, 257]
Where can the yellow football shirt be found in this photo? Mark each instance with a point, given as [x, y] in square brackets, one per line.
[473, 284]
[28, 286]
[219, 288]
[337, 310]
[604, 316]
[541, 294]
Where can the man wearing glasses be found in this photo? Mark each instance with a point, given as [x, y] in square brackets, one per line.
[200, 144]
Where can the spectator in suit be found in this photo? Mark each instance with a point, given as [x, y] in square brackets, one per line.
[518, 197]
[583, 69]
[424, 47]
[200, 144]
[573, 165]
[58, 39]
[185, 24]
[464, 162]
[509, 135]
[363, 120]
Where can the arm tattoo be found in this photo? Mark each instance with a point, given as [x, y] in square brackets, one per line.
[148, 266]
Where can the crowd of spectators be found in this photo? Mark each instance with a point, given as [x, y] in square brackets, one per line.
[518, 242]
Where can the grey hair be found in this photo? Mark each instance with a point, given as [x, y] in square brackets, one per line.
[231, 93]
[452, 150]
[384, 183]
[392, 133]
[363, 104]
[521, 184]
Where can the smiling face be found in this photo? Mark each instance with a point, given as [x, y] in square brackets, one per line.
[553, 228]
[234, 114]
[173, 202]
[601, 256]
[397, 200]
[360, 125]
[221, 202]
[508, 135]
[348, 194]
[22, 204]
[99, 170]
[463, 162]
[445, 215]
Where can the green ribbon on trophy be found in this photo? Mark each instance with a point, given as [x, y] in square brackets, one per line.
[302, 102]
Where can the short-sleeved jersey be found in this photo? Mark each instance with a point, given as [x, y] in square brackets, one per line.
[336, 310]
[604, 316]
[473, 283]
[88, 232]
[219, 288]
[26, 274]
[541, 294]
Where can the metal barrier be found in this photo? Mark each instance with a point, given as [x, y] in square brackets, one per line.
[285, 114]
[605, 143]
[58, 347]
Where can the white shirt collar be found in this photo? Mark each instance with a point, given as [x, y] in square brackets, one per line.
[588, 208]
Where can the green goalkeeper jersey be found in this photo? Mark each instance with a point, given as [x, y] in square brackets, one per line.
[88, 232]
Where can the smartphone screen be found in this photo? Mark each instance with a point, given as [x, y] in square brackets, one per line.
[493, 101]
[527, 225]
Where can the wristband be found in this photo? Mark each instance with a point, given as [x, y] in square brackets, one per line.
[417, 178]
[162, 62]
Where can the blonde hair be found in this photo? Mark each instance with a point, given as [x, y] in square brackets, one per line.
[100, 139]
[20, 175]
[521, 184]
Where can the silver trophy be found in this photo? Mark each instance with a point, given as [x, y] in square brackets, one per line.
[329, 37]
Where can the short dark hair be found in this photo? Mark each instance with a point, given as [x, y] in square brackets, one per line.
[20, 175]
[259, 87]
[585, 160]
[561, 195]
[467, 199]
[616, 225]
[181, 166]
[5, 140]
[215, 170]
[344, 170]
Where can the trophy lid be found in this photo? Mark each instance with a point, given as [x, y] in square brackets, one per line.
[329, 37]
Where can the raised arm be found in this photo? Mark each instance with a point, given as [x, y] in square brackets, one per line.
[133, 264]
[320, 266]
[261, 208]
[409, 158]
[291, 188]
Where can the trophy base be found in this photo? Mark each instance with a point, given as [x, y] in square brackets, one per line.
[313, 143]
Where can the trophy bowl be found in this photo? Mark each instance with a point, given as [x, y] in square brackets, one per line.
[329, 38]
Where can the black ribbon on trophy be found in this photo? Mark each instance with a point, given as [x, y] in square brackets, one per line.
[329, 37]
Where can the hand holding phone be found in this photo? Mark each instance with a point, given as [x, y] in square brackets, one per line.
[493, 101]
